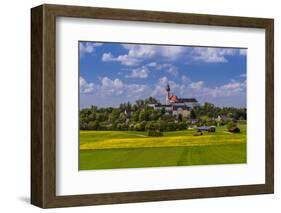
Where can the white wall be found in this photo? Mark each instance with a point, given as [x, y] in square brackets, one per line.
[15, 105]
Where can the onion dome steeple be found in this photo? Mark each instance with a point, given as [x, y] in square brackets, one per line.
[168, 88]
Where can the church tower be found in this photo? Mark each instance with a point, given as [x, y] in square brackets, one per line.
[168, 94]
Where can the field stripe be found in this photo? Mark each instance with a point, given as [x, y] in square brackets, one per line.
[139, 143]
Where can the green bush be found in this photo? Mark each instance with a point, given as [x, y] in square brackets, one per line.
[211, 123]
[152, 126]
[140, 126]
[122, 127]
[154, 134]
[171, 126]
[231, 125]
[181, 126]
[94, 125]
[83, 126]
[162, 125]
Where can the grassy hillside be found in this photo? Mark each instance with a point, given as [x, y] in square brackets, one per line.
[128, 149]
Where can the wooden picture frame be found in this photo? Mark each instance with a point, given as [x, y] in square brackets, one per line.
[43, 105]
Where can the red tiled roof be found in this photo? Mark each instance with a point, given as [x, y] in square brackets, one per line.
[173, 98]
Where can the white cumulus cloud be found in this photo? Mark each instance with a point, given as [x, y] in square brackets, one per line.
[109, 86]
[123, 59]
[167, 67]
[85, 87]
[192, 89]
[88, 47]
[137, 53]
[212, 55]
[141, 72]
[243, 51]
[116, 87]
[197, 85]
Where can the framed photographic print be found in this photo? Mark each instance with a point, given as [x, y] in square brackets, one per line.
[137, 106]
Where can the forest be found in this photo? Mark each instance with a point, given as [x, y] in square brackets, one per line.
[139, 116]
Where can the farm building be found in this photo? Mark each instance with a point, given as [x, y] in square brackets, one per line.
[223, 118]
[176, 106]
[207, 128]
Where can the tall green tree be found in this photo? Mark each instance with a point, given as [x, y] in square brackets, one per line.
[192, 114]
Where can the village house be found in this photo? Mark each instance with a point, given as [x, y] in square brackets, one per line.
[223, 118]
[176, 106]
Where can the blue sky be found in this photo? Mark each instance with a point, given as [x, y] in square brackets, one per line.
[114, 73]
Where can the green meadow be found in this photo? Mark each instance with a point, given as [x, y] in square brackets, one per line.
[134, 149]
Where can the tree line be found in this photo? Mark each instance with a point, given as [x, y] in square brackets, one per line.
[141, 117]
